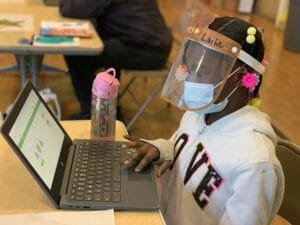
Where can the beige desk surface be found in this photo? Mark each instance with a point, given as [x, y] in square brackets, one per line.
[21, 194]
[9, 41]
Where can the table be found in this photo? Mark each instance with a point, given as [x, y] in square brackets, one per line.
[9, 40]
[21, 194]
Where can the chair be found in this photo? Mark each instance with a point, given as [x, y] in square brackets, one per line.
[178, 28]
[280, 134]
[159, 73]
[289, 155]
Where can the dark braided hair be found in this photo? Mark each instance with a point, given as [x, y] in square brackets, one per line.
[236, 29]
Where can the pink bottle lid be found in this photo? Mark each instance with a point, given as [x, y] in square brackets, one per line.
[106, 85]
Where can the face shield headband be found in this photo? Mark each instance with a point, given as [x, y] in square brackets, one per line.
[202, 67]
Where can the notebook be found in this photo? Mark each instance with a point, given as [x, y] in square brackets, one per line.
[79, 174]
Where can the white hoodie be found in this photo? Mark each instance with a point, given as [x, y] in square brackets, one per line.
[226, 173]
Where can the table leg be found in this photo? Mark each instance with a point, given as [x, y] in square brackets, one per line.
[7, 69]
[22, 64]
[47, 68]
[35, 66]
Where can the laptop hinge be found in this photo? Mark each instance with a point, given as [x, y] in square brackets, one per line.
[67, 173]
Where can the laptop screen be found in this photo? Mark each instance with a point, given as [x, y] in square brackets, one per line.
[38, 137]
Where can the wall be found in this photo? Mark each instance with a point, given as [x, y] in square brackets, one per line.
[267, 8]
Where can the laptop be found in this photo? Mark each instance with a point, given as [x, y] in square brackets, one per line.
[79, 174]
[51, 2]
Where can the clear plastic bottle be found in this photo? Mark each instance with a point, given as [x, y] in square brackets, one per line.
[104, 105]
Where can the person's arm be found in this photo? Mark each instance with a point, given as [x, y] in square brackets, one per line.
[82, 8]
[254, 196]
[165, 147]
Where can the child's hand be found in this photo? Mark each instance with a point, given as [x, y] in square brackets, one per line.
[144, 152]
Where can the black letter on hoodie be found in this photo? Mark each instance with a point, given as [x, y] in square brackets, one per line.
[194, 166]
[211, 181]
[184, 138]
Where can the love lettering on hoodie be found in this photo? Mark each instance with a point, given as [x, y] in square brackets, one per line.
[211, 181]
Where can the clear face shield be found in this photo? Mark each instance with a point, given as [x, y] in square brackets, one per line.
[202, 67]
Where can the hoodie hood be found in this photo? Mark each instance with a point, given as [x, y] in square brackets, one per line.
[247, 119]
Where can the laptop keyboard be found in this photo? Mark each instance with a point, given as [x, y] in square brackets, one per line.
[97, 174]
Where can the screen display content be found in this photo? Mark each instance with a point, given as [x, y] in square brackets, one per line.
[38, 137]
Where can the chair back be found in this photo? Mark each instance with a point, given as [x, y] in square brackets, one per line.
[288, 154]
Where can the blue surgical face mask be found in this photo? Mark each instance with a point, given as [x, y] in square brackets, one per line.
[197, 95]
[216, 107]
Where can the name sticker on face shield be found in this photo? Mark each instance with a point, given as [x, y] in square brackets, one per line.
[211, 41]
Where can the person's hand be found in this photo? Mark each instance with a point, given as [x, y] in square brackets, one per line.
[145, 153]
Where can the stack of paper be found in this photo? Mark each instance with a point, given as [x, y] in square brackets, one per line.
[105, 217]
[70, 29]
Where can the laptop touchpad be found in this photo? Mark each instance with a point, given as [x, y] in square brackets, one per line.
[144, 175]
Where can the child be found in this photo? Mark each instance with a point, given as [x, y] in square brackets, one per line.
[220, 166]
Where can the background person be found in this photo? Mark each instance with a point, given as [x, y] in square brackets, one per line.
[134, 34]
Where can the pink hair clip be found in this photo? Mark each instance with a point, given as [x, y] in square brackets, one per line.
[250, 80]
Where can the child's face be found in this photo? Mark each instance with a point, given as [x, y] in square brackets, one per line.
[206, 65]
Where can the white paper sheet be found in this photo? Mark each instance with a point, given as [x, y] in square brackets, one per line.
[16, 22]
[101, 217]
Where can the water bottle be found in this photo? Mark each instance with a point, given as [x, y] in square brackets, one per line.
[104, 105]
